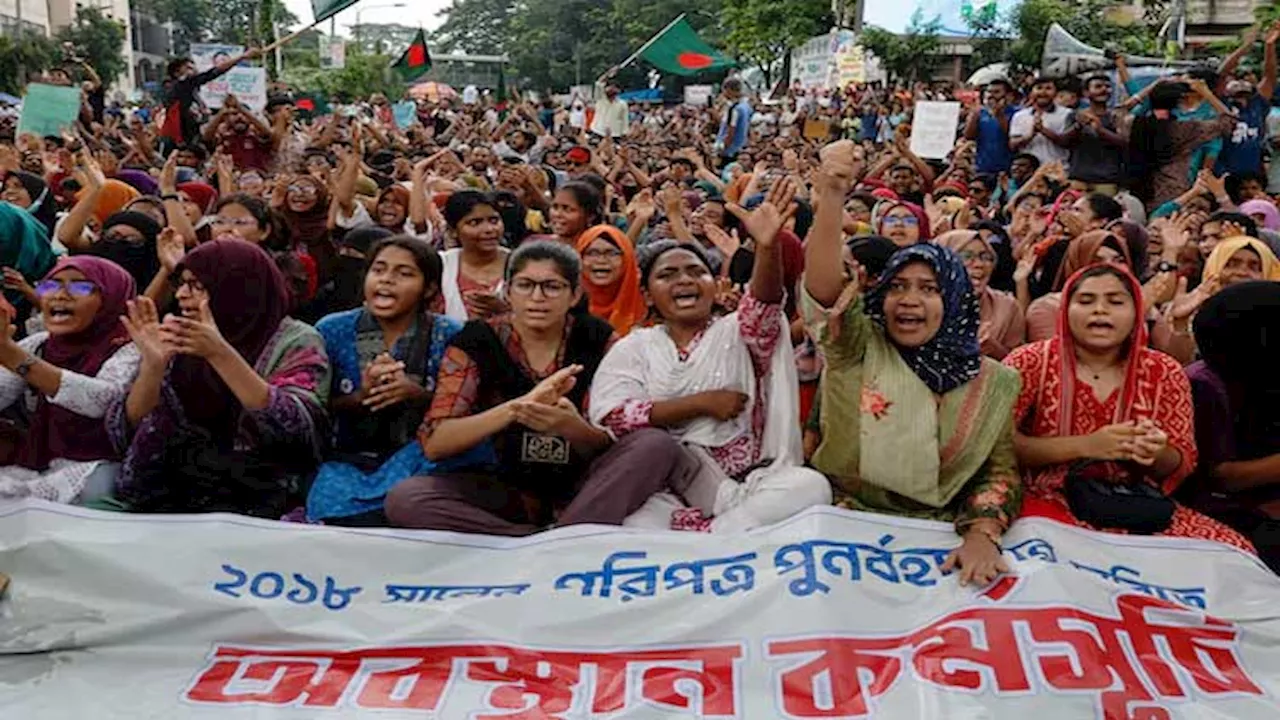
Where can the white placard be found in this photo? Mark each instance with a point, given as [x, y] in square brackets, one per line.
[933, 129]
[248, 84]
[697, 95]
[831, 614]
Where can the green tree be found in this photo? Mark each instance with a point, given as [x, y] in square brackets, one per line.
[235, 22]
[1091, 21]
[475, 27]
[910, 56]
[762, 32]
[363, 76]
[99, 40]
[22, 56]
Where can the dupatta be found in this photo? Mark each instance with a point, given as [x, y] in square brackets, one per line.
[645, 365]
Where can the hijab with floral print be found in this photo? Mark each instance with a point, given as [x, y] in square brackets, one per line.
[950, 358]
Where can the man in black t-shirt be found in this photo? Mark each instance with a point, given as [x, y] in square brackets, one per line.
[180, 89]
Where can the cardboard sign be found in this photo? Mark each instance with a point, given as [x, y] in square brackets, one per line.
[248, 84]
[48, 110]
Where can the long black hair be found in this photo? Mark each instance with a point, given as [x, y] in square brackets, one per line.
[1150, 141]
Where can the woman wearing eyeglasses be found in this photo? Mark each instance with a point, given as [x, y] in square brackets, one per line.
[65, 379]
[520, 380]
[611, 278]
[903, 223]
[1003, 326]
[228, 411]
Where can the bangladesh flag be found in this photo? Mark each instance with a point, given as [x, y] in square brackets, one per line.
[679, 51]
[416, 60]
[312, 105]
[325, 9]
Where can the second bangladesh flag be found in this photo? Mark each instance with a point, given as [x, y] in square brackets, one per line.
[416, 60]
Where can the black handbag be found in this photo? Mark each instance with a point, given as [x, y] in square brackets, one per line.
[1131, 504]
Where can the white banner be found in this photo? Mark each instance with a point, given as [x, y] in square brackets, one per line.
[248, 84]
[828, 615]
[933, 129]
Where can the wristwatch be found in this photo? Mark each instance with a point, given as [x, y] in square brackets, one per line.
[24, 367]
[1166, 266]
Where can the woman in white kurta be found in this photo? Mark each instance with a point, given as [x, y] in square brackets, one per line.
[726, 387]
[64, 379]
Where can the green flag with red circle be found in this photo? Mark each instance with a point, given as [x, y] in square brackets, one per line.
[678, 50]
[416, 60]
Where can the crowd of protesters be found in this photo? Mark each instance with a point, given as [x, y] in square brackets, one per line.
[511, 316]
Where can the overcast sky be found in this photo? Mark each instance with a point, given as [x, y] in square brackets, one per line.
[413, 12]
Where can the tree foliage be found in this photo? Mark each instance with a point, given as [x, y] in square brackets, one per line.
[1093, 22]
[475, 27]
[23, 55]
[99, 40]
[910, 56]
[762, 32]
[235, 22]
[363, 76]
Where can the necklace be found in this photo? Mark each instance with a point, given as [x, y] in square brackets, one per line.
[1097, 373]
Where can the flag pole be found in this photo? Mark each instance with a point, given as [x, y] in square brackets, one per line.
[289, 38]
[645, 46]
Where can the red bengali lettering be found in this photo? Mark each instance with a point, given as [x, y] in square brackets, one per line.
[945, 653]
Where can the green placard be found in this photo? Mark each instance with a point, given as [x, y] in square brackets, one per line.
[48, 110]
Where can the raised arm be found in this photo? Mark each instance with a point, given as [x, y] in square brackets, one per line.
[1267, 87]
[824, 269]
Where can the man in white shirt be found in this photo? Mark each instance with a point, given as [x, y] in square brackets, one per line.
[611, 118]
[1039, 129]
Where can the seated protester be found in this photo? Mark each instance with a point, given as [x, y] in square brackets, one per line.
[1096, 395]
[1237, 414]
[1239, 260]
[152, 207]
[1263, 212]
[903, 223]
[346, 290]
[248, 219]
[397, 208]
[64, 379]
[520, 380]
[611, 278]
[227, 413]
[1222, 225]
[576, 206]
[1003, 326]
[385, 358]
[129, 239]
[471, 288]
[304, 203]
[1097, 246]
[905, 384]
[96, 202]
[725, 387]
[31, 193]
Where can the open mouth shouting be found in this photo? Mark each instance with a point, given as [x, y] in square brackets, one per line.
[384, 300]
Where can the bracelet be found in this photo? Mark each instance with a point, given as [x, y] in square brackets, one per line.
[991, 535]
[171, 196]
[24, 368]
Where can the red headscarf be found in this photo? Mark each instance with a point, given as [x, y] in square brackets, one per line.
[621, 304]
[202, 194]
[1066, 346]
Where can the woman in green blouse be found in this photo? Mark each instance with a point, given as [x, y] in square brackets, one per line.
[915, 422]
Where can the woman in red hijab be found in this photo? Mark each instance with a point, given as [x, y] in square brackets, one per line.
[611, 277]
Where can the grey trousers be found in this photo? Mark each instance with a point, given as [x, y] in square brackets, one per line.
[616, 484]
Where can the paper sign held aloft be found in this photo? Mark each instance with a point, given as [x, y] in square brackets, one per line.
[933, 129]
[48, 110]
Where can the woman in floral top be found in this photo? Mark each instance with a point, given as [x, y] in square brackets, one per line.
[227, 412]
[914, 420]
[725, 387]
